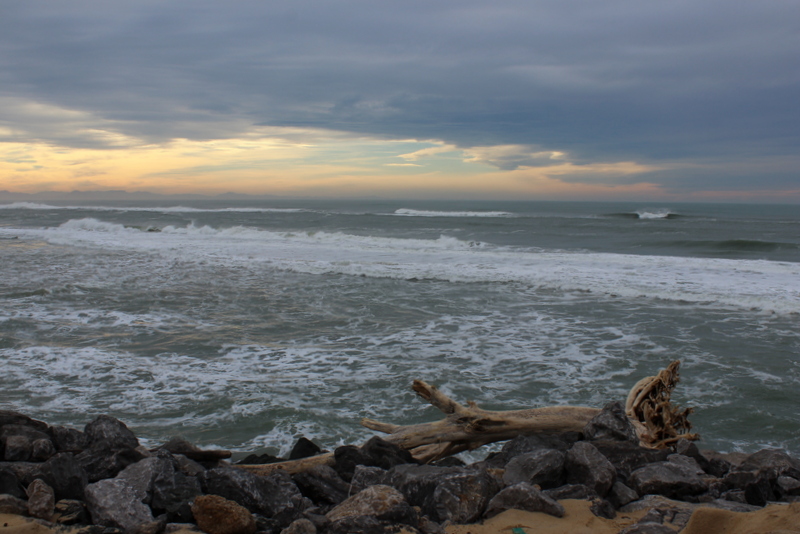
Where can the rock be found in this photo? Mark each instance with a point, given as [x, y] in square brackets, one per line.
[381, 453]
[365, 476]
[102, 463]
[273, 496]
[676, 478]
[114, 503]
[584, 464]
[544, 468]
[375, 501]
[462, 498]
[41, 500]
[19, 439]
[366, 524]
[25, 472]
[610, 424]
[68, 439]
[8, 417]
[107, 433]
[141, 474]
[217, 515]
[627, 457]
[322, 485]
[65, 475]
[571, 491]
[9, 484]
[788, 486]
[173, 493]
[304, 448]
[300, 526]
[620, 495]
[42, 449]
[527, 444]
[647, 528]
[523, 496]
[464, 491]
[70, 512]
[603, 508]
[345, 460]
[260, 459]
[774, 462]
[187, 466]
[13, 505]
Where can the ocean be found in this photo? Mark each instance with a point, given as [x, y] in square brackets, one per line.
[245, 324]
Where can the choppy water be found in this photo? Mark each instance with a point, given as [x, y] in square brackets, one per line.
[247, 324]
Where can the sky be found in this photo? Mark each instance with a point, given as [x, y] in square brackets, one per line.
[557, 99]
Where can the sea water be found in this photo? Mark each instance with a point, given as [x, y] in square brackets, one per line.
[244, 324]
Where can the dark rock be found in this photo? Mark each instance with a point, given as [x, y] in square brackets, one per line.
[346, 458]
[759, 492]
[187, 466]
[603, 508]
[41, 500]
[102, 463]
[10, 485]
[571, 491]
[217, 515]
[8, 417]
[647, 528]
[65, 475]
[17, 449]
[736, 495]
[421, 486]
[141, 474]
[13, 505]
[300, 526]
[18, 441]
[610, 424]
[42, 449]
[787, 486]
[25, 472]
[273, 496]
[375, 501]
[113, 503]
[108, 433]
[544, 468]
[304, 448]
[774, 462]
[462, 498]
[620, 495]
[322, 485]
[260, 459]
[449, 461]
[70, 512]
[676, 478]
[365, 476]
[173, 493]
[68, 439]
[584, 464]
[381, 453]
[527, 444]
[688, 448]
[627, 457]
[523, 496]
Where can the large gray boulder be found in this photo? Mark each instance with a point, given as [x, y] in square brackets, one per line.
[106, 432]
[65, 475]
[544, 467]
[677, 478]
[523, 496]
[584, 464]
[114, 503]
[610, 424]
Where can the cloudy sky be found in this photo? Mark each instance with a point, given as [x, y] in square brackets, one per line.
[555, 99]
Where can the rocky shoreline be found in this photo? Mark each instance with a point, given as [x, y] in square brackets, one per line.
[102, 481]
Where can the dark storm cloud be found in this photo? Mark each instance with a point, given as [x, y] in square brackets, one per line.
[604, 81]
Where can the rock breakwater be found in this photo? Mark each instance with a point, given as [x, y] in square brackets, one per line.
[100, 480]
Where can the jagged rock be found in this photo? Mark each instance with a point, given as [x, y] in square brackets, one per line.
[620, 495]
[102, 463]
[381, 453]
[300, 526]
[464, 492]
[678, 477]
[544, 468]
[449, 461]
[322, 485]
[274, 496]
[141, 474]
[375, 501]
[13, 505]
[9, 483]
[108, 433]
[571, 491]
[217, 515]
[366, 475]
[523, 496]
[774, 462]
[346, 458]
[19, 439]
[41, 500]
[647, 528]
[70, 512]
[462, 498]
[42, 449]
[114, 503]
[602, 508]
[689, 448]
[788, 485]
[65, 475]
[17, 449]
[25, 472]
[627, 457]
[187, 466]
[304, 448]
[584, 464]
[527, 444]
[173, 493]
[260, 459]
[610, 424]
[68, 439]
[8, 417]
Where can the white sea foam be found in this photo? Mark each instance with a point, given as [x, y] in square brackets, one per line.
[662, 213]
[751, 284]
[426, 213]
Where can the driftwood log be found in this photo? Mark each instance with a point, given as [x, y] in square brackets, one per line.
[657, 421]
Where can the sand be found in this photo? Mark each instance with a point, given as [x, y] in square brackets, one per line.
[774, 519]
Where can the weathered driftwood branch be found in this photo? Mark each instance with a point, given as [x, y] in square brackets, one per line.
[657, 422]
